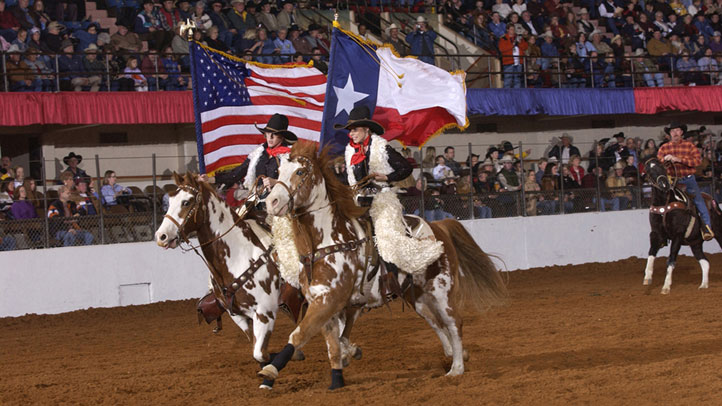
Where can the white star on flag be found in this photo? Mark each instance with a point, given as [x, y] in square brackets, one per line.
[347, 97]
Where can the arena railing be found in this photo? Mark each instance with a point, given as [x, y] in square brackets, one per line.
[485, 71]
[140, 211]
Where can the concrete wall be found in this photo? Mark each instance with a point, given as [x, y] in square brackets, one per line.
[65, 279]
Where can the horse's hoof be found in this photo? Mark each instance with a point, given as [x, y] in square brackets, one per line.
[336, 379]
[267, 384]
[665, 291]
[298, 356]
[455, 372]
[358, 354]
[703, 286]
[465, 355]
[269, 372]
[646, 282]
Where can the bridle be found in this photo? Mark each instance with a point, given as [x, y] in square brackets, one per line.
[307, 165]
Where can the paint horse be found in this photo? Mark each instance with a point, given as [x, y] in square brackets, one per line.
[244, 278]
[338, 278]
[673, 217]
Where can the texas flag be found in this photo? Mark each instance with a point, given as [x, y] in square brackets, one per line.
[410, 98]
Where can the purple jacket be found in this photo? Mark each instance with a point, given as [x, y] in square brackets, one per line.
[23, 209]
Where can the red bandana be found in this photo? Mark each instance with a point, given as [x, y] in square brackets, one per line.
[360, 153]
[278, 149]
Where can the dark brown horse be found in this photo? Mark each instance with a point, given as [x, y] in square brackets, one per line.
[339, 280]
[673, 217]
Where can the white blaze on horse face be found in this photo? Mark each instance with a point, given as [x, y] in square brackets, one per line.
[167, 234]
[277, 200]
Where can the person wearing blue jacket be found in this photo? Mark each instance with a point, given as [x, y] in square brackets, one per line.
[421, 41]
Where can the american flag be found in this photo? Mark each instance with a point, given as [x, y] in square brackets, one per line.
[230, 95]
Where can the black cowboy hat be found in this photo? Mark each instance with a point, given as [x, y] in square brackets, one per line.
[314, 27]
[674, 125]
[278, 124]
[618, 135]
[361, 117]
[491, 150]
[72, 155]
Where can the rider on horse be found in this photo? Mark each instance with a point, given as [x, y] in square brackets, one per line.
[265, 159]
[369, 155]
[684, 158]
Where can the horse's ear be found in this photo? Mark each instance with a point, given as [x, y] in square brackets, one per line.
[177, 179]
[187, 178]
[193, 179]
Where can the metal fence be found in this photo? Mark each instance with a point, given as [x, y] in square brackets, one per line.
[140, 210]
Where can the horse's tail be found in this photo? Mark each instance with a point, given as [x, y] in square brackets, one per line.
[479, 281]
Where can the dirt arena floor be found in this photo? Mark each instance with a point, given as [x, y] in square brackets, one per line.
[586, 334]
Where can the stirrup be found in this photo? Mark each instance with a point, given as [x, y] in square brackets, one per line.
[707, 233]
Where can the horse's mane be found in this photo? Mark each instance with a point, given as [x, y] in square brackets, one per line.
[340, 194]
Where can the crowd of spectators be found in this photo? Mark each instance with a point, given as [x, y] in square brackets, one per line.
[591, 43]
[608, 177]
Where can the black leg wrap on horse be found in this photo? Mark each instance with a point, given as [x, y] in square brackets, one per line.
[281, 359]
[268, 382]
[336, 379]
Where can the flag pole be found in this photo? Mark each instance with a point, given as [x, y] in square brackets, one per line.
[327, 130]
[187, 28]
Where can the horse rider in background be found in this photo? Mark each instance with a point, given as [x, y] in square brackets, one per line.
[685, 158]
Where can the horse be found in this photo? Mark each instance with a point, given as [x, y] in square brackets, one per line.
[237, 251]
[673, 217]
[339, 279]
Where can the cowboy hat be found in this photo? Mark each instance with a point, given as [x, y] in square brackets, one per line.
[639, 52]
[14, 48]
[361, 117]
[71, 156]
[91, 48]
[491, 150]
[420, 19]
[506, 158]
[278, 124]
[388, 29]
[619, 165]
[234, 2]
[583, 11]
[55, 25]
[616, 37]
[674, 125]
[618, 135]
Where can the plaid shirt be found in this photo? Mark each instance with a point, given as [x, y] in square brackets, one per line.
[684, 150]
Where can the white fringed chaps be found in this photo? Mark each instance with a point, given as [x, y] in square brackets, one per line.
[409, 254]
[284, 245]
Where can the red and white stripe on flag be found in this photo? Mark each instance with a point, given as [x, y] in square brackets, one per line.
[229, 133]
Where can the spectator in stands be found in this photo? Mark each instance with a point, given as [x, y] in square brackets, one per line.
[617, 185]
[94, 67]
[19, 177]
[421, 41]
[31, 189]
[584, 24]
[549, 51]
[511, 48]
[21, 40]
[631, 145]
[175, 81]
[708, 68]
[576, 171]
[169, 16]
[571, 26]
[52, 38]
[649, 151]
[264, 48]
[85, 193]
[318, 62]
[19, 75]
[714, 21]
[651, 75]
[508, 178]
[687, 69]
[149, 28]
[202, 19]
[87, 37]
[429, 158]
[179, 46]
[284, 45]
[602, 72]
[630, 172]
[35, 43]
[267, 18]
[300, 43]
[9, 25]
[71, 68]
[22, 208]
[66, 178]
[602, 47]
[574, 69]
[528, 24]
[63, 226]
[434, 208]
[441, 171]
[240, 19]
[564, 149]
[133, 79]
[549, 201]
[392, 37]
[22, 14]
[541, 167]
[124, 41]
[316, 39]
[502, 8]
[496, 26]
[154, 70]
[449, 155]
[226, 31]
[287, 16]
[584, 47]
[6, 196]
[7, 166]
[111, 190]
[531, 189]
[73, 160]
[611, 15]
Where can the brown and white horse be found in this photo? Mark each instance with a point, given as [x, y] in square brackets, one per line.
[337, 279]
[238, 254]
